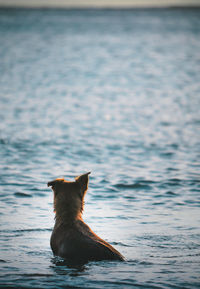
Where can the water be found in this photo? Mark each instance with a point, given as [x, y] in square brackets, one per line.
[112, 92]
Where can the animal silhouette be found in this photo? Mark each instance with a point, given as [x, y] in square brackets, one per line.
[72, 238]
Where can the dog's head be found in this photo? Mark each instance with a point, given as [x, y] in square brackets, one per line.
[69, 196]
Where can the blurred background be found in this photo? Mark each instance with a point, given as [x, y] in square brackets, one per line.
[111, 91]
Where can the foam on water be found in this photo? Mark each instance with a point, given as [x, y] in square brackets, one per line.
[112, 92]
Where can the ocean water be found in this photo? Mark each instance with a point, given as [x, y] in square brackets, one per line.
[116, 93]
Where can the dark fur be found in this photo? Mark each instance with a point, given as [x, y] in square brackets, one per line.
[71, 238]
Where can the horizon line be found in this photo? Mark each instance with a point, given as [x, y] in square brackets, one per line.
[117, 4]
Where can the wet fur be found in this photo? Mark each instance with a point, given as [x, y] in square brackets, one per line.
[72, 238]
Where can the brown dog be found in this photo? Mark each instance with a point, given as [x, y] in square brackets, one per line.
[71, 238]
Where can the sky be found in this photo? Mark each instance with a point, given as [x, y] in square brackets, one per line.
[98, 3]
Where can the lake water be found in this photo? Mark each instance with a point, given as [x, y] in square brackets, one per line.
[112, 92]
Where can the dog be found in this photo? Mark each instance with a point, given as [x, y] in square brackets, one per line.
[72, 239]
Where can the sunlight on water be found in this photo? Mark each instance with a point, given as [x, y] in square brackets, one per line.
[115, 93]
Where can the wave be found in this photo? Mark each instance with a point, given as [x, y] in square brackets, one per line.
[22, 195]
[27, 230]
[138, 185]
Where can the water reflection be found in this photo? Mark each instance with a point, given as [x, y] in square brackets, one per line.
[64, 267]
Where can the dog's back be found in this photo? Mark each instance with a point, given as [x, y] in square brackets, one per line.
[79, 243]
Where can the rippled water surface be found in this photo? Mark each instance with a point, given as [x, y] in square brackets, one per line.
[112, 92]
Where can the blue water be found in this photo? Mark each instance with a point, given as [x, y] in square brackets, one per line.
[112, 92]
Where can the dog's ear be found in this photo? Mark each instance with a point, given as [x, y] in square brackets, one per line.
[83, 180]
[53, 184]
